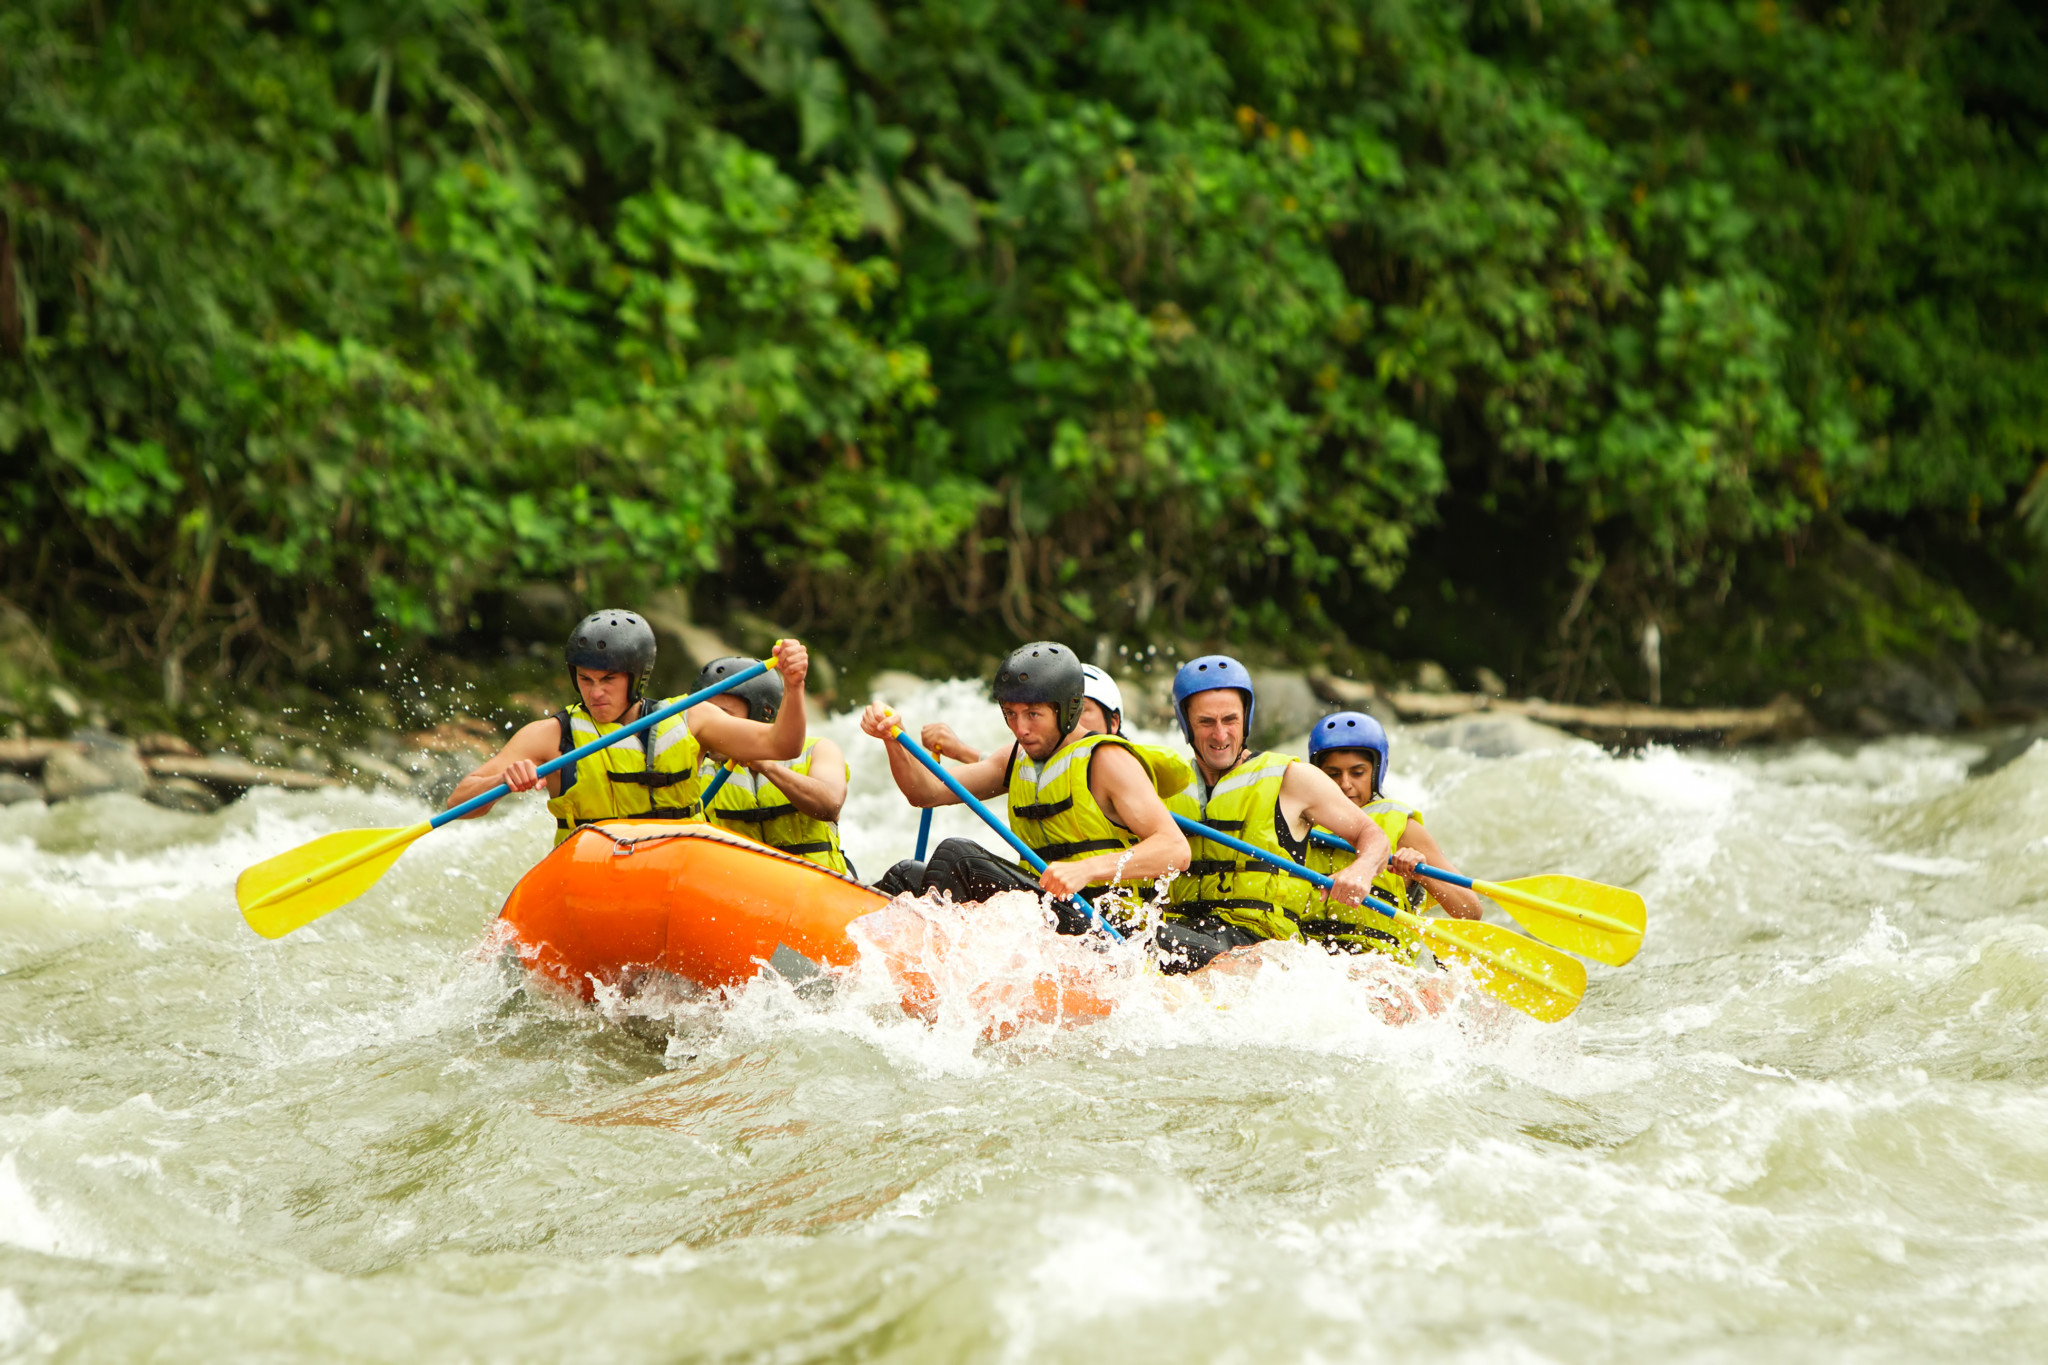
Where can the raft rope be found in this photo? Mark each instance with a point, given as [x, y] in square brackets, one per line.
[625, 848]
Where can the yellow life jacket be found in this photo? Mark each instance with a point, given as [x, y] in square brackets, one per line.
[1173, 777]
[650, 777]
[1052, 809]
[1236, 887]
[752, 805]
[1357, 928]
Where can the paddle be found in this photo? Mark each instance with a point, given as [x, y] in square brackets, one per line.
[924, 831]
[1520, 971]
[718, 781]
[973, 803]
[294, 889]
[1589, 918]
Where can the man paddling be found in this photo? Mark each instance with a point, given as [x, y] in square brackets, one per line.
[610, 655]
[790, 806]
[1227, 900]
[1351, 749]
[1083, 801]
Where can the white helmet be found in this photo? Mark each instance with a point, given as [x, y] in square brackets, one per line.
[1101, 689]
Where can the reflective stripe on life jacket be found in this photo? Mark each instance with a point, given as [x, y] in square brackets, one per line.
[1052, 809]
[1235, 887]
[654, 778]
[753, 805]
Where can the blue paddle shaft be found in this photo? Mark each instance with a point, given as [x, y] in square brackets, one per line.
[1435, 874]
[581, 752]
[1218, 836]
[924, 831]
[716, 783]
[974, 803]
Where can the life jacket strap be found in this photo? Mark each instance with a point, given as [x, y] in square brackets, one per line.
[1338, 928]
[1045, 811]
[1192, 909]
[651, 779]
[820, 846]
[1054, 853]
[756, 815]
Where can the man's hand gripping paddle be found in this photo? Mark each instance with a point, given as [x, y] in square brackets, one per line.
[294, 889]
[1520, 971]
[973, 803]
[1591, 919]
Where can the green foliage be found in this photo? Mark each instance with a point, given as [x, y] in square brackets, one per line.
[1068, 317]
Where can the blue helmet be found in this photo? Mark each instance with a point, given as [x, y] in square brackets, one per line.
[1207, 674]
[1352, 730]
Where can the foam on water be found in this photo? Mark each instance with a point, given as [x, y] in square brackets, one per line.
[1808, 1120]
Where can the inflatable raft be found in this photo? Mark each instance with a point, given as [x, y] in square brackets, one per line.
[619, 900]
[625, 897]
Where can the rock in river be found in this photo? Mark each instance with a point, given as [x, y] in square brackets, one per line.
[1288, 706]
[69, 775]
[182, 793]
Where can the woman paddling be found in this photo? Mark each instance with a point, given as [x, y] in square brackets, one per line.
[1352, 750]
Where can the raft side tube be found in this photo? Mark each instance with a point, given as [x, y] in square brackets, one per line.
[700, 902]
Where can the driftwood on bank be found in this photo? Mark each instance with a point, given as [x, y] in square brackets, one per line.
[1783, 718]
[229, 774]
[235, 773]
[28, 754]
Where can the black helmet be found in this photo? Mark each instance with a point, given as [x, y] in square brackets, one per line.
[615, 641]
[763, 695]
[1046, 673]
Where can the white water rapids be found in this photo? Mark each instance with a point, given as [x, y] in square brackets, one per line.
[1808, 1122]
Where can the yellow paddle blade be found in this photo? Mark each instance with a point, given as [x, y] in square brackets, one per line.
[1534, 979]
[1602, 922]
[293, 889]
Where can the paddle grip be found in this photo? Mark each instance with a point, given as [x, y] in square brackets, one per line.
[583, 751]
[1218, 836]
[1435, 874]
[975, 804]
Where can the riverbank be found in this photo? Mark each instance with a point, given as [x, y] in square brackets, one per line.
[437, 715]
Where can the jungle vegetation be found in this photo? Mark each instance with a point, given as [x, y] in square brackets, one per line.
[1419, 324]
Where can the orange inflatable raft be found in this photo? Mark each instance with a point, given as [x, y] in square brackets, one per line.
[617, 900]
[712, 907]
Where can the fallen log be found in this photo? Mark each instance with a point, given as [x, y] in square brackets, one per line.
[1734, 723]
[235, 774]
[33, 753]
[1443, 705]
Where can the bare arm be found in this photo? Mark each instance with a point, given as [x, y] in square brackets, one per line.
[1308, 796]
[1419, 846]
[986, 778]
[747, 740]
[819, 794]
[530, 746]
[1123, 788]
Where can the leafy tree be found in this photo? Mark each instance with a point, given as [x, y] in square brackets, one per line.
[1041, 317]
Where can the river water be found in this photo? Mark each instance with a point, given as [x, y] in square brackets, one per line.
[1808, 1121]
